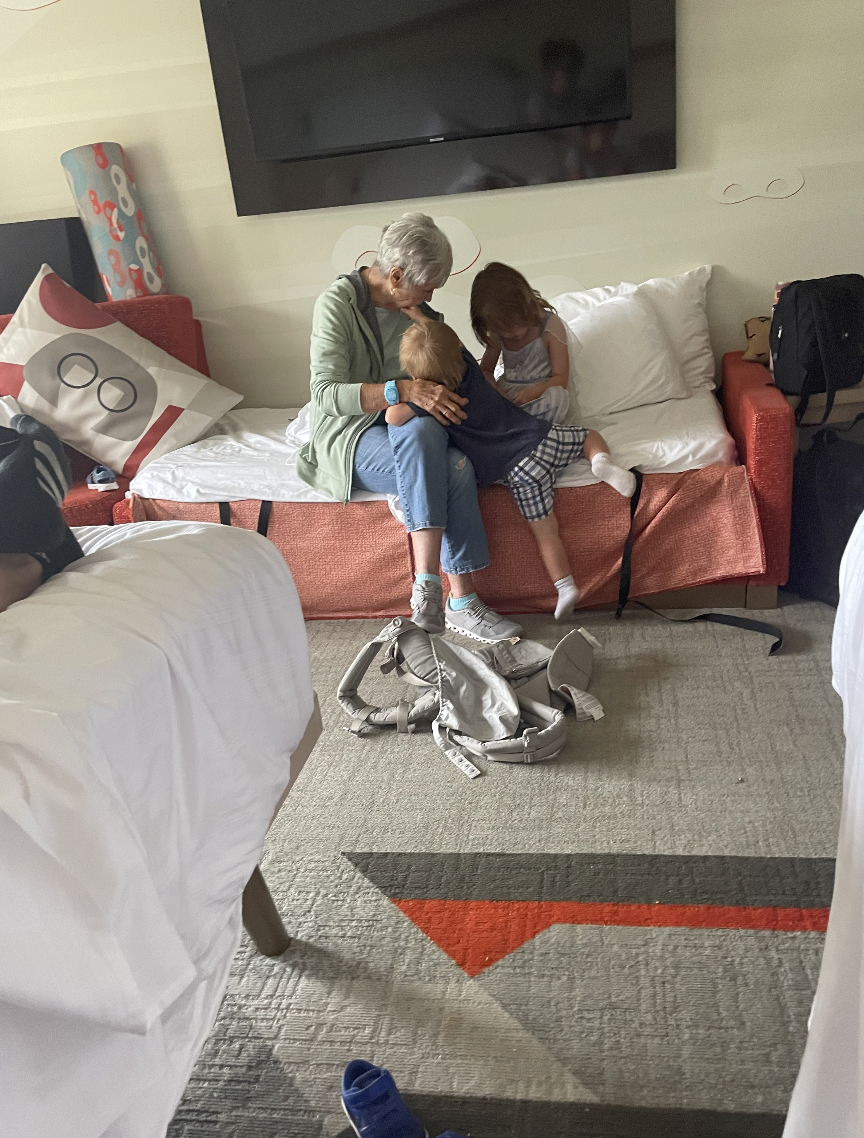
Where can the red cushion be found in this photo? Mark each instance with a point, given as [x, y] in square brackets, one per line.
[166, 321]
[85, 507]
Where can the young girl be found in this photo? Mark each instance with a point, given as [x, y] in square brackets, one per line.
[518, 326]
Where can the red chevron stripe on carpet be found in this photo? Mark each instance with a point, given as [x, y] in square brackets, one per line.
[476, 934]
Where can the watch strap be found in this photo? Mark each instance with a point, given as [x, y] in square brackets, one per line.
[391, 392]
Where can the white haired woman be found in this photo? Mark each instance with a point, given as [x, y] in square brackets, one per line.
[356, 374]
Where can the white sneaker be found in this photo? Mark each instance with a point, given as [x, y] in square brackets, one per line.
[481, 623]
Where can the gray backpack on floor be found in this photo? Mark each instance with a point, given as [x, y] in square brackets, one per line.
[504, 702]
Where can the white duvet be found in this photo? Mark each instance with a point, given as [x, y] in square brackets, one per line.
[828, 1099]
[253, 453]
[150, 698]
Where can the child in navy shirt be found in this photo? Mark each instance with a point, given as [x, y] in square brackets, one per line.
[506, 444]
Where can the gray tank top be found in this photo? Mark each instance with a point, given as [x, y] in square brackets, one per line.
[531, 363]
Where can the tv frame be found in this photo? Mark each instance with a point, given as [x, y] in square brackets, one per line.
[281, 186]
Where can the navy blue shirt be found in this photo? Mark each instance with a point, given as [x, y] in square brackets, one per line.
[497, 434]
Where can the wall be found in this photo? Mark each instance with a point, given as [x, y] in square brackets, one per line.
[777, 81]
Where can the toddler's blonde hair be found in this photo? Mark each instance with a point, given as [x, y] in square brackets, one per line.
[432, 351]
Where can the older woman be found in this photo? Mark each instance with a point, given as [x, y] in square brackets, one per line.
[356, 329]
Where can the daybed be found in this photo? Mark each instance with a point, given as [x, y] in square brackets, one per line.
[724, 524]
[157, 702]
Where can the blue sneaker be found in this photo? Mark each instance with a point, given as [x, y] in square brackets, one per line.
[373, 1104]
[101, 478]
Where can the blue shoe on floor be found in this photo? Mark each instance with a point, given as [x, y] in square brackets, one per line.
[101, 478]
[373, 1104]
[450, 1134]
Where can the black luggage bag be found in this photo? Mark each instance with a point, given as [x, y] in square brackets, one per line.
[817, 338]
[827, 500]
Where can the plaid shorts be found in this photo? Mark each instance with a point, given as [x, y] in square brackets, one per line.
[533, 480]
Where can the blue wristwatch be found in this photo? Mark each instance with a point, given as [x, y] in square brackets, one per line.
[391, 392]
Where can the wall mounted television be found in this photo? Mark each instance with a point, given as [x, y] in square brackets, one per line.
[345, 102]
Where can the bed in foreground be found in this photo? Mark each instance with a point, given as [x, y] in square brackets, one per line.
[153, 696]
[828, 1098]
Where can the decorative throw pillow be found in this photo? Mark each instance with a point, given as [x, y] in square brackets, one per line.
[104, 389]
[622, 358]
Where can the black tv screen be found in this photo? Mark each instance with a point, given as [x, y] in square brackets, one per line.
[337, 77]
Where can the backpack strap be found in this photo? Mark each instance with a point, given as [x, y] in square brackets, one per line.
[808, 382]
[225, 513]
[831, 365]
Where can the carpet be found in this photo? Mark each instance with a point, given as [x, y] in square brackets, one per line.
[622, 942]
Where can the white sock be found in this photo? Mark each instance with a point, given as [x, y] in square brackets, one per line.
[624, 481]
[568, 595]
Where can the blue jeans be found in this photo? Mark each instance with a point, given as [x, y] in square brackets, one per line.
[435, 484]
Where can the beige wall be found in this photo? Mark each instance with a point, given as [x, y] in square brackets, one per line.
[775, 82]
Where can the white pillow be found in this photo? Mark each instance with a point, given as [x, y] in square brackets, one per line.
[680, 304]
[569, 305]
[622, 358]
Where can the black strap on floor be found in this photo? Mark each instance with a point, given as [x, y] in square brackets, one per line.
[724, 618]
[263, 515]
[627, 553]
[706, 617]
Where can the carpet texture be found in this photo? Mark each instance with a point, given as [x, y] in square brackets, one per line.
[622, 942]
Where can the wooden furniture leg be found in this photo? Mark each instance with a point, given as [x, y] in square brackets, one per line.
[261, 917]
[761, 596]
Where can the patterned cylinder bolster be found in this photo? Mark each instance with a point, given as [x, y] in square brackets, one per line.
[110, 207]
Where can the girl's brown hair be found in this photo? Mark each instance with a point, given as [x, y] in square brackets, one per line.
[502, 298]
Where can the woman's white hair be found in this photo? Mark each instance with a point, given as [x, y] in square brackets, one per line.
[417, 246]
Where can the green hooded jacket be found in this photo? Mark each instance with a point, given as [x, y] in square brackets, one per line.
[345, 353]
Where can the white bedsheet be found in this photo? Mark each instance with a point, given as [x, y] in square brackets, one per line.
[828, 1099]
[253, 453]
[150, 699]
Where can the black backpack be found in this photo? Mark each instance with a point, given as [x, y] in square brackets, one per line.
[817, 338]
[827, 500]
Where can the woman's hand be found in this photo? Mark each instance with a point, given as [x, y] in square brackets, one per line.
[440, 401]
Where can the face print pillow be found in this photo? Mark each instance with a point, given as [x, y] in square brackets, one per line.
[104, 389]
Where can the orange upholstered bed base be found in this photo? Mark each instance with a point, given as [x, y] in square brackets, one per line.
[354, 560]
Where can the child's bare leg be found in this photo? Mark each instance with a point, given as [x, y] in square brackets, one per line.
[597, 453]
[557, 564]
[594, 444]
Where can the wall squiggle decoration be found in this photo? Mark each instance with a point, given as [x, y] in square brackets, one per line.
[755, 180]
[360, 241]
